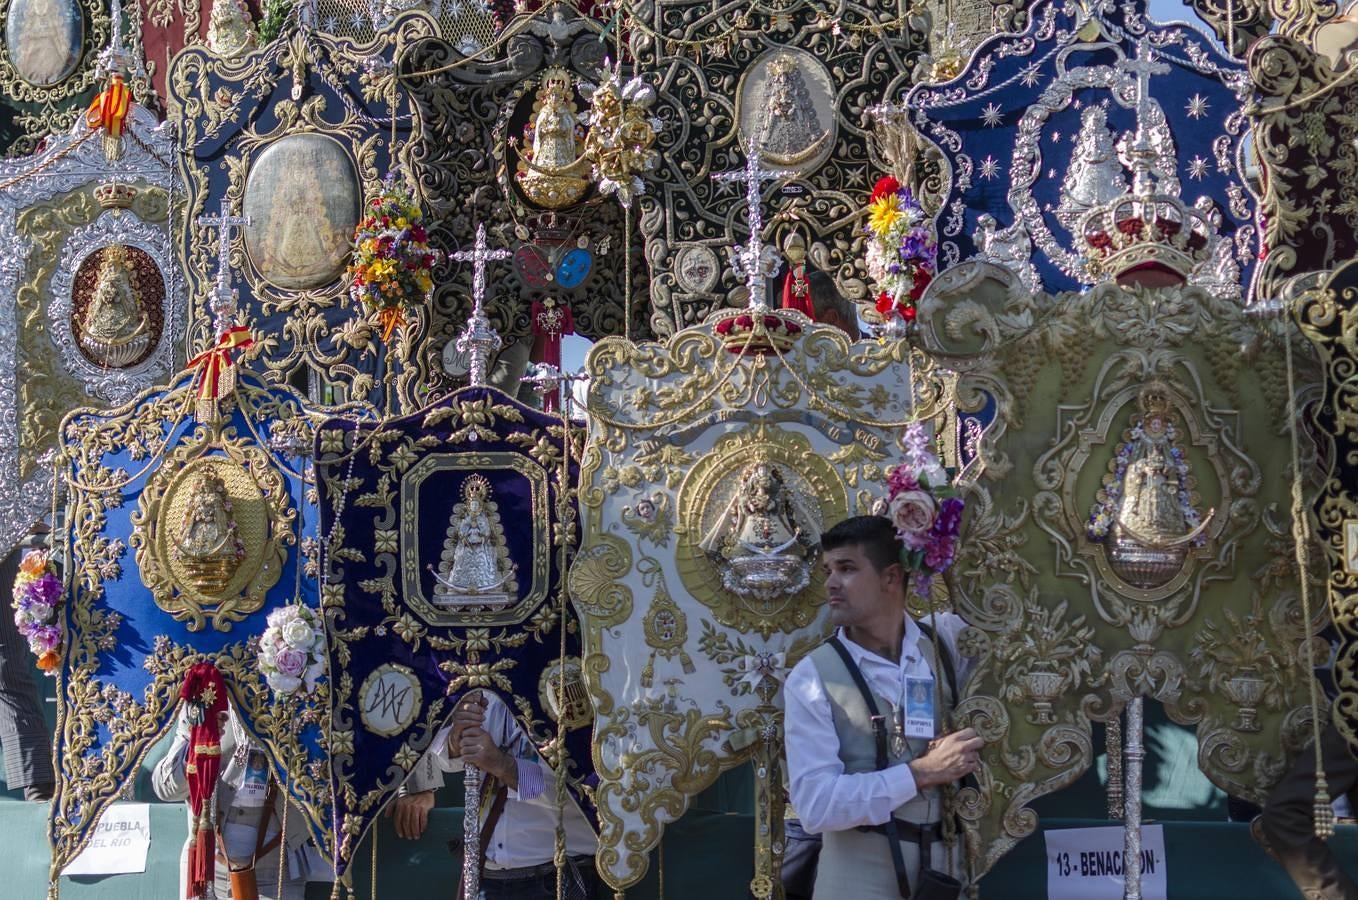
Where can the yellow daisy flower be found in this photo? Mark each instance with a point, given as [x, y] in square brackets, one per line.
[884, 213]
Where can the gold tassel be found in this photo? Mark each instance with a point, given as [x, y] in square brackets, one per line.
[1324, 810]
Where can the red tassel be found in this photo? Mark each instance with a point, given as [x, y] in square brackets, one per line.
[204, 691]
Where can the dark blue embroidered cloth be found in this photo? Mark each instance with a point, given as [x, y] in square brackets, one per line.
[1037, 131]
[444, 536]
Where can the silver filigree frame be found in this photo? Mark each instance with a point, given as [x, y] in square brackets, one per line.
[69, 162]
[114, 226]
[1220, 274]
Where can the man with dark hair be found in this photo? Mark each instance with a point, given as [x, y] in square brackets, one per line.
[862, 773]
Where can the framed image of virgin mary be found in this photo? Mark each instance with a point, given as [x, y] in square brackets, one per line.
[302, 198]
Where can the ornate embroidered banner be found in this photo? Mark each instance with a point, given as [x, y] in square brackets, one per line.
[91, 307]
[182, 537]
[1305, 124]
[1039, 129]
[445, 532]
[801, 90]
[297, 137]
[1128, 534]
[715, 461]
[1326, 318]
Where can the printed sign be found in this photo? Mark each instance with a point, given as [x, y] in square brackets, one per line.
[1087, 863]
[119, 844]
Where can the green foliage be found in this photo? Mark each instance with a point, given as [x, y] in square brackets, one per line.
[274, 20]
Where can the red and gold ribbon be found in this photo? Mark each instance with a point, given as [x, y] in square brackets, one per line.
[217, 369]
[109, 111]
[204, 690]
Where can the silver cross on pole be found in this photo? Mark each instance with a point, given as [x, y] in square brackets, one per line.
[754, 261]
[223, 301]
[479, 340]
[1143, 67]
[114, 58]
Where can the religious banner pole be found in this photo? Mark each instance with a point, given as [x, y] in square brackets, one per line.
[755, 261]
[1142, 67]
[471, 833]
[1131, 759]
[479, 340]
[216, 366]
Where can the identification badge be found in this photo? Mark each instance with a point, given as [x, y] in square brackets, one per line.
[254, 786]
[919, 708]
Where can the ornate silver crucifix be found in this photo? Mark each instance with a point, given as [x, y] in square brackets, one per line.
[479, 340]
[755, 261]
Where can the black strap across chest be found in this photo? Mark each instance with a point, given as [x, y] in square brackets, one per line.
[879, 735]
[879, 732]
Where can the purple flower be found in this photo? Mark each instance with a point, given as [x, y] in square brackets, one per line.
[939, 554]
[915, 246]
[42, 638]
[949, 518]
[914, 540]
[901, 479]
[45, 590]
[291, 662]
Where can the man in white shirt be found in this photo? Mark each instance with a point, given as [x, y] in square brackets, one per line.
[521, 843]
[250, 816]
[855, 775]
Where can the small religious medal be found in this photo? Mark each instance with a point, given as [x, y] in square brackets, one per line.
[898, 743]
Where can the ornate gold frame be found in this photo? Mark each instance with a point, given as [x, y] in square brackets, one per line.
[413, 589]
[261, 568]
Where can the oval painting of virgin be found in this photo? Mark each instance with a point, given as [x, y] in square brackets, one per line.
[43, 38]
[117, 306]
[786, 103]
[302, 197]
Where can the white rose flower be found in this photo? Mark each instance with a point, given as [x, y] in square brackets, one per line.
[299, 635]
[283, 684]
[312, 673]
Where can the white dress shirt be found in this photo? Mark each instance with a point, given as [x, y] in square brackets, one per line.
[525, 836]
[825, 797]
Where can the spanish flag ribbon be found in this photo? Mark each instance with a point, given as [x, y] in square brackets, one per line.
[217, 369]
[109, 111]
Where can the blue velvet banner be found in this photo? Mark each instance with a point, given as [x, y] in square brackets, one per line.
[1034, 126]
[182, 536]
[297, 136]
[445, 532]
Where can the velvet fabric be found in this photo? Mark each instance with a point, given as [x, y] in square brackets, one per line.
[450, 657]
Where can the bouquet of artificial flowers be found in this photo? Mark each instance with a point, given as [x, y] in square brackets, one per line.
[292, 650]
[901, 253]
[392, 261]
[925, 510]
[37, 608]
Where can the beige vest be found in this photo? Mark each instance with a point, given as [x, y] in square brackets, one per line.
[857, 863]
